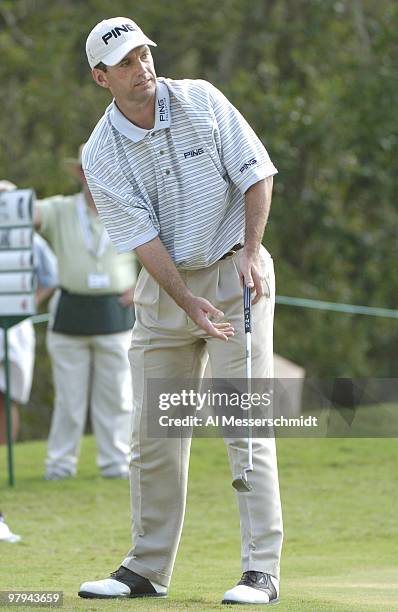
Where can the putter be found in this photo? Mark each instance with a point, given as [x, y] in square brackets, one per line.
[242, 483]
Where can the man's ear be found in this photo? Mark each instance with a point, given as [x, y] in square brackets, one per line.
[99, 77]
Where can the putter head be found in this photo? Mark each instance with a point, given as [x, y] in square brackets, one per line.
[241, 484]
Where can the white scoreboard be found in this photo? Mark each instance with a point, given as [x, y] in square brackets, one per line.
[17, 277]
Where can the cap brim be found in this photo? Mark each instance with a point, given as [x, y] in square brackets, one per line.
[116, 56]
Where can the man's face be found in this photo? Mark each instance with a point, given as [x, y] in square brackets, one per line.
[133, 80]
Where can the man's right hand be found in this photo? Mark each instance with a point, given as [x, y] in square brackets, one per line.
[201, 311]
[157, 261]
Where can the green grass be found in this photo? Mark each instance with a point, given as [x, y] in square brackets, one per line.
[340, 513]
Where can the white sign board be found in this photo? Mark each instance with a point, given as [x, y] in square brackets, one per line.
[18, 238]
[17, 278]
[16, 208]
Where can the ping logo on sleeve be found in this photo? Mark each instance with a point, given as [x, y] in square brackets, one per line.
[246, 165]
[193, 153]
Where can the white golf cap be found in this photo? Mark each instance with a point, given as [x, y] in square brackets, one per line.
[112, 39]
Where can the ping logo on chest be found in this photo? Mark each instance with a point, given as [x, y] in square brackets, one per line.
[117, 32]
[193, 153]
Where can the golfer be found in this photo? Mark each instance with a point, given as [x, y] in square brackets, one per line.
[179, 177]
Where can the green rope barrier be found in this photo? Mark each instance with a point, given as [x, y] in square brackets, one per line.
[337, 307]
[372, 311]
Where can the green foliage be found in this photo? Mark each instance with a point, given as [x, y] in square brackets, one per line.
[317, 79]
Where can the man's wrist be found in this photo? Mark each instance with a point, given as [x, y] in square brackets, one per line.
[252, 249]
[185, 299]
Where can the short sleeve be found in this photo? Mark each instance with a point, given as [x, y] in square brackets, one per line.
[243, 155]
[128, 219]
[45, 263]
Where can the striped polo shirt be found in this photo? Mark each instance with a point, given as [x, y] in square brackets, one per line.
[184, 180]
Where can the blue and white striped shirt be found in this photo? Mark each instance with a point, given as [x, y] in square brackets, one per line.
[183, 180]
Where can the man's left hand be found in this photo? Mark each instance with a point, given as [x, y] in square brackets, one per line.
[251, 274]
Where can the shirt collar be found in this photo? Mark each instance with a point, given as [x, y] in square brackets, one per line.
[162, 116]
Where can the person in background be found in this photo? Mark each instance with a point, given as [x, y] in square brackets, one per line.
[21, 338]
[89, 335]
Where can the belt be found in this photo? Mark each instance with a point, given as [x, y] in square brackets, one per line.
[232, 251]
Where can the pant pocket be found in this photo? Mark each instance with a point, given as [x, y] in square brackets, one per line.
[267, 273]
[147, 290]
[228, 281]
[146, 300]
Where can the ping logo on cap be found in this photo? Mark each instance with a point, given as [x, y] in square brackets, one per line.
[115, 32]
[111, 39]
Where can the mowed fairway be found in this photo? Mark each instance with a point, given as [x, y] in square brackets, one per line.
[340, 501]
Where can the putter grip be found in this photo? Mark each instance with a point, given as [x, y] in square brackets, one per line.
[247, 308]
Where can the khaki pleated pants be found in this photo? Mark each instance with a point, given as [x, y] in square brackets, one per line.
[167, 344]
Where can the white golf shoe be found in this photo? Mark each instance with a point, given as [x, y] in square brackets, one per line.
[122, 583]
[6, 534]
[254, 588]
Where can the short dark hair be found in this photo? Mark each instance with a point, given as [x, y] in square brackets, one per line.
[101, 66]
